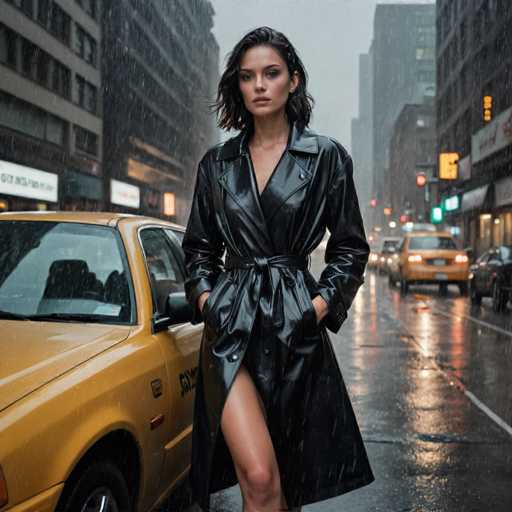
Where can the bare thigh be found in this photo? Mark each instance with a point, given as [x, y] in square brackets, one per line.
[245, 429]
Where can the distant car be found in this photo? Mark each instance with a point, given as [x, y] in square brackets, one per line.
[98, 361]
[373, 259]
[430, 258]
[389, 247]
[419, 226]
[491, 276]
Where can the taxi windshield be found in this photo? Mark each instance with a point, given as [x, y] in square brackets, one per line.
[60, 271]
[431, 242]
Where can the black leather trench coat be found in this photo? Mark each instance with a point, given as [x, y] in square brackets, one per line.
[260, 310]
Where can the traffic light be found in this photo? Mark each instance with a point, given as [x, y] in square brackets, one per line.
[436, 215]
[421, 179]
[373, 203]
[388, 211]
[448, 166]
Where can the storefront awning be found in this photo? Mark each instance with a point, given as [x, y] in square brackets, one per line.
[474, 199]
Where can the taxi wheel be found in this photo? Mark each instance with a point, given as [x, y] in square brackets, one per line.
[100, 487]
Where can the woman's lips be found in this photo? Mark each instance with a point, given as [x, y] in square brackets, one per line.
[261, 100]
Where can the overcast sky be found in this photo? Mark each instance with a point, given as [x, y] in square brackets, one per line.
[329, 35]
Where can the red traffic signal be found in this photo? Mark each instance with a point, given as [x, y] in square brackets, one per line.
[373, 203]
[421, 179]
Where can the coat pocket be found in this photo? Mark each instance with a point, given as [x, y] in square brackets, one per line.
[217, 306]
[309, 322]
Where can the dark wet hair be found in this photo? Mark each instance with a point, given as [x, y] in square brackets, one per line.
[230, 107]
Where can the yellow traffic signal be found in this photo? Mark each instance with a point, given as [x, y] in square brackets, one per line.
[448, 168]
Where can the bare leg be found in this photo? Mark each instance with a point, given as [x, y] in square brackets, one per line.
[245, 430]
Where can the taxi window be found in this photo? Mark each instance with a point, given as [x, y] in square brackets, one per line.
[431, 242]
[63, 271]
[165, 271]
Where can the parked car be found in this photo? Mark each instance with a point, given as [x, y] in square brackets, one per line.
[491, 276]
[389, 247]
[430, 258]
[98, 362]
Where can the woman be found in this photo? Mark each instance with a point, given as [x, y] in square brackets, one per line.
[271, 409]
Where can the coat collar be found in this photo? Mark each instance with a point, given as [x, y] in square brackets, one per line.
[301, 142]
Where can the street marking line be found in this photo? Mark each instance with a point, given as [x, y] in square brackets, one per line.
[453, 379]
[468, 317]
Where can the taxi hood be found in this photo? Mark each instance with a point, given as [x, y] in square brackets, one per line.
[34, 353]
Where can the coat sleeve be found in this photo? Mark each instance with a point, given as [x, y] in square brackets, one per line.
[202, 244]
[347, 250]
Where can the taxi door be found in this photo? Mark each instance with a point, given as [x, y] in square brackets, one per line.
[179, 345]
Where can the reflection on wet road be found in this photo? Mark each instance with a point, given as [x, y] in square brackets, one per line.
[430, 380]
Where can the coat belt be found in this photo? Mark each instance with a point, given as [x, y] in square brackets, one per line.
[263, 264]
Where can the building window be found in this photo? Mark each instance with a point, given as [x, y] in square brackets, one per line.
[89, 6]
[60, 23]
[61, 80]
[85, 46]
[86, 94]
[55, 130]
[27, 6]
[8, 40]
[86, 141]
[30, 120]
[43, 8]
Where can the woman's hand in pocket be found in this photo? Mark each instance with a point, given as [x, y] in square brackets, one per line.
[202, 299]
[321, 307]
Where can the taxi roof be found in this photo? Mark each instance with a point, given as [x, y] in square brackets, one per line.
[102, 218]
[429, 233]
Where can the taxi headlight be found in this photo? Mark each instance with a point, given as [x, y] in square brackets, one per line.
[415, 258]
[461, 258]
[4, 498]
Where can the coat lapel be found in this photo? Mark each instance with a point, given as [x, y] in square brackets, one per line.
[291, 174]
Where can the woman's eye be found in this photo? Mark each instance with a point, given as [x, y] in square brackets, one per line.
[244, 78]
[273, 73]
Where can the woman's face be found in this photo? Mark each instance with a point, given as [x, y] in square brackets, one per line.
[264, 81]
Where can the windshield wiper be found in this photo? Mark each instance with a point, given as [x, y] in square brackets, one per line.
[68, 317]
[7, 315]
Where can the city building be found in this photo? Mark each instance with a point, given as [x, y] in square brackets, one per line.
[51, 130]
[474, 117]
[160, 68]
[361, 138]
[403, 72]
[412, 150]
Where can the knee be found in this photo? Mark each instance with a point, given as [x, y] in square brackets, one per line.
[262, 484]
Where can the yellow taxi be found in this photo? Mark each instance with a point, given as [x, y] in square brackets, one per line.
[98, 362]
[426, 257]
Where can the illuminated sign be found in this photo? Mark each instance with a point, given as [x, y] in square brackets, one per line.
[451, 203]
[487, 108]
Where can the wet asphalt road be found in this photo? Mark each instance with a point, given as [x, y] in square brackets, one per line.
[430, 380]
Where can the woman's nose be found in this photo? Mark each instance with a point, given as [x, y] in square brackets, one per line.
[260, 85]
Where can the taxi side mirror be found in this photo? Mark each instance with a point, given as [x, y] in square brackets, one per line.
[177, 311]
